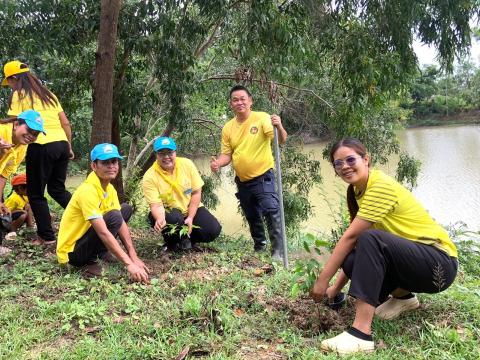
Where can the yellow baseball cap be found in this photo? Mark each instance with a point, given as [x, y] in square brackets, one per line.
[12, 68]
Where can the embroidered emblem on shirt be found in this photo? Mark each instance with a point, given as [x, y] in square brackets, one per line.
[253, 130]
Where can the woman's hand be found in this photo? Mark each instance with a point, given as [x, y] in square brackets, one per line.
[331, 292]
[319, 290]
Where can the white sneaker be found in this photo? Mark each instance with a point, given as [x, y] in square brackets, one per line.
[11, 236]
[4, 250]
[393, 307]
[345, 344]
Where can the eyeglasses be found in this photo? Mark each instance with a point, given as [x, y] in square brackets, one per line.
[165, 154]
[350, 160]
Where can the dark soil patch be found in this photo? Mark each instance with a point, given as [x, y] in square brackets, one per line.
[310, 317]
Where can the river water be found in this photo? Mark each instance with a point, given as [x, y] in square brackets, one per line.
[448, 185]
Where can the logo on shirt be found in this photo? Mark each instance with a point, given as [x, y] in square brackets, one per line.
[253, 130]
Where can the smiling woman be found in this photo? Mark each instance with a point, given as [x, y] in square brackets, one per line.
[391, 249]
[14, 137]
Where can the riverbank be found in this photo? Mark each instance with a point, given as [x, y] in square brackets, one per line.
[223, 303]
[462, 118]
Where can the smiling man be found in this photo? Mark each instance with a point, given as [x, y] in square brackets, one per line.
[173, 189]
[94, 217]
[246, 142]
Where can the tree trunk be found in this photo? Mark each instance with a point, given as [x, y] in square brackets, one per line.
[104, 73]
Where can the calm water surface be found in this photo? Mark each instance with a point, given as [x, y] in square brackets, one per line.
[448, 185]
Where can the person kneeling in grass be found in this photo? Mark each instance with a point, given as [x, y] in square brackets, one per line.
[94, 217]
[18, 205]
[173, 183]
[392, 247]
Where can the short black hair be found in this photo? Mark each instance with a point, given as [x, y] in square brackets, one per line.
[237, 88]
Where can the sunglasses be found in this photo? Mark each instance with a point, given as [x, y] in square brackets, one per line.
[165, 154]
[349, 160]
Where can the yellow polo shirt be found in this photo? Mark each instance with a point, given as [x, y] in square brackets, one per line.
[10, 158]
[173, 191]
[249, 143]
[393, 208]
[49, 113]
[16, 202]
[88, 202]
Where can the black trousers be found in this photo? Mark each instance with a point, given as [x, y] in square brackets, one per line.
[257, 196]
[47, 167]
[382, 262]
[208, 226]
[89, 247]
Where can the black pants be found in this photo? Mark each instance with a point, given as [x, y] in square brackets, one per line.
[258, 196]
[47, 167]
[208, 226]
[89, 247]
[382, 262]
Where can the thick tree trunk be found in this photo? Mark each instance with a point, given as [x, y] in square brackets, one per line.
[104, 73]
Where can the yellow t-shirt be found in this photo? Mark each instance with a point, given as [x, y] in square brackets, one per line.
[249, 143]
[10, 158]
[88, 202]
[391, 207]
[16, 202]
[49, 113]
[172, 191]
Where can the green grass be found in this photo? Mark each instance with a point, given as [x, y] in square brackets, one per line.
[226, 303]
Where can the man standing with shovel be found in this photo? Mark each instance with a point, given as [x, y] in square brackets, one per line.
[246, 141]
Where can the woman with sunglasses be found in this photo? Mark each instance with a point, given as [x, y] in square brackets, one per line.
[47, 159]
[18, 132]
[391, 250]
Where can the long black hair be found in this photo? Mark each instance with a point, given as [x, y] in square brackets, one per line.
[31, 85]
[357, 146]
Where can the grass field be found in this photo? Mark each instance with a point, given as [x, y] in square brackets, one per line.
[223, 303]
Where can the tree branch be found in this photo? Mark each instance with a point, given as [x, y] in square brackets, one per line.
[233, 77]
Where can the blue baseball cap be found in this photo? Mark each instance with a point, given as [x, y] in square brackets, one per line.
[33, 120]
[163, 142]
[104, 152]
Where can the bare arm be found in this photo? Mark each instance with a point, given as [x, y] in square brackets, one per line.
[192, 209]
[344, 246]
[68, 131]
[218, 162]
[282, 133]
[137, 273]
[158, 213]
[126, 238]
[3, 209]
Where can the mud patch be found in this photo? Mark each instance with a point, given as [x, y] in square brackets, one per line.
[310, 317]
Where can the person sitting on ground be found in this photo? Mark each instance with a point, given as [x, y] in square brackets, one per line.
[392, 247]
[173, 189]
[18, 132]
[94, 217]
[18, 205]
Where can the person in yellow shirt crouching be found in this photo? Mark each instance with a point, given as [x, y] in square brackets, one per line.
[18, 205]
[173, 189]
[94, 217]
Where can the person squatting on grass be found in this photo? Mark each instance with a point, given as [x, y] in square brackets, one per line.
[173, 189]
[47, 159]
[15, 135]
[94, 217]
[246, 142]
[392, 247]
[18, 205]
